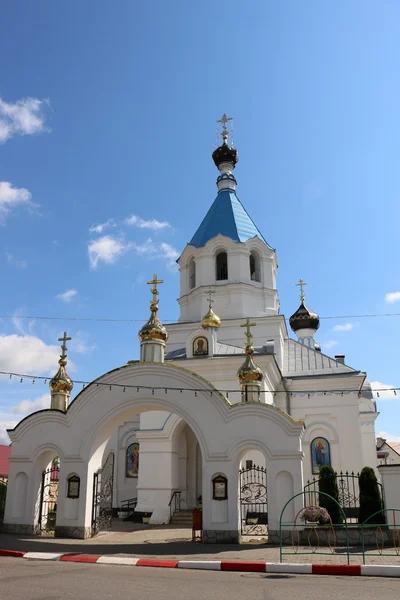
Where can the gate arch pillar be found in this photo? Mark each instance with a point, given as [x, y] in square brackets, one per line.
[284, 480]
[73, 520]
[220, 517]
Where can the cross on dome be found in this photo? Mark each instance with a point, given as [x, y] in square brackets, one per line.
[301, 284]
[248, 333]
[224, 120]
[154, 290]
[64, 348]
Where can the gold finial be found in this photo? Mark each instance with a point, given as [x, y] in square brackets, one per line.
[301, 284]
[224, 120]
[61, 382]
[249, 335]
[154, 329]
[64, 348]
[154, 290]
[210, 319]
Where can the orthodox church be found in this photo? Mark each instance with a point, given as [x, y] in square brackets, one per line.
[224, 409]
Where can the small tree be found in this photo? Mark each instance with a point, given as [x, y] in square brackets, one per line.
[370, 497]
[327, 483]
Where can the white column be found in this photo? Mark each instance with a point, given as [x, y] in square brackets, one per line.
[390, 476]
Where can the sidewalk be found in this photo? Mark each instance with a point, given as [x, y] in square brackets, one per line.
[156, 542]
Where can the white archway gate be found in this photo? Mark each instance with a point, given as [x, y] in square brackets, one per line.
[222, 430]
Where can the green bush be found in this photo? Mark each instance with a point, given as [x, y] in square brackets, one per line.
[370, 497]
[327, 483]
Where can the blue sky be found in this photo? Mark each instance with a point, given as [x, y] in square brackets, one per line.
[108, 112]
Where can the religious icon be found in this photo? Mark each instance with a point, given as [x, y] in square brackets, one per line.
[220, 488]
[200, 346]
[320, 454]
[73, 486]
[132, 460]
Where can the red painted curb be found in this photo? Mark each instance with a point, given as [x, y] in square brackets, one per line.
[252, 567]
[336, 569]
[84, 558]
[149, 562]
[14, 553]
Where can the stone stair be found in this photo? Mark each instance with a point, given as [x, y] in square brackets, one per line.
[182, 518]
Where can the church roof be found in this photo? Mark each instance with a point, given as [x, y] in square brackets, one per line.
[228, 217]
[300, 359]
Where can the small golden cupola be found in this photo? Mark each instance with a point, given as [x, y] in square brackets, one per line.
[250, 375]
[210, 320]
[61, 384]
[153, 335]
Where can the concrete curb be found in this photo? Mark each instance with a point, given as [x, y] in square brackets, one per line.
[215, 565]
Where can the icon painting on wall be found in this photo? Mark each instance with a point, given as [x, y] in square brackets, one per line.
[132, 460]
[320, 454]
[200, 346]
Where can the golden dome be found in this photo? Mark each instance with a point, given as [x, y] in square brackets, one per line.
[61, 381]
[211, 319]
[249, 372]
[153, 329]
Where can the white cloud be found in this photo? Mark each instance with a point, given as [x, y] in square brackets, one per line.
[149, 249]
[10, 197]
[25, 407]
[27, 354]
[392, 297]
[143, 224]
[106, 249]
[389, 437]
[20, 264]
[330, 344]
[345, 327]
[384, 390]
[4, 425]
[102, 226]
[24, 117]
[67, 296]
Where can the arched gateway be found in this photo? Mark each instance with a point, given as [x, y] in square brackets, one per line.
[79, 437]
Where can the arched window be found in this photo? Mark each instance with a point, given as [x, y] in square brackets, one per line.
[132, 460]
[192, 274]
[255, 270]
[221, 264]
[320, 454]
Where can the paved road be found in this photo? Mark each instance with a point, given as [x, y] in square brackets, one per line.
[33, 580]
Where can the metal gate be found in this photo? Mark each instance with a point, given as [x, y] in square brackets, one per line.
[103, 481]
[253, 501]
[49, 498]
[3, 496]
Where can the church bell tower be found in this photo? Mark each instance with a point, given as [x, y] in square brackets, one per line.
[228, 253]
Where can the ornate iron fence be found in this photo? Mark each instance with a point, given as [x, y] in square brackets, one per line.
[349, 493]
[49, 499]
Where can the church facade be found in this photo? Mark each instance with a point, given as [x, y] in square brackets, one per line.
[223, 394]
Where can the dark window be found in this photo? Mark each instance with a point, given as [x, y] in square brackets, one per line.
[222, 266]
[255, 273]
[192, 274]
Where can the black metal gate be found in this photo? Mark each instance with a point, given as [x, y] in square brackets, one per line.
[103, 481]
[49, 498]
[349, 493]
[253, 501]
[3, 496]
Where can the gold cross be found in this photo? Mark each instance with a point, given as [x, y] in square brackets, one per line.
[64, 339]
[224, 119]
[209, 298]
[301, 284]
[248, 333]
[154, 290]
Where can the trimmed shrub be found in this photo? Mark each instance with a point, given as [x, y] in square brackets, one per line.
[327, 483]
[370, 497]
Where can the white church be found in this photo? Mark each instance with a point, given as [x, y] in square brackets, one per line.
[224, 410]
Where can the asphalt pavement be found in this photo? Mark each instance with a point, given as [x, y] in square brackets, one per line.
[25, 580]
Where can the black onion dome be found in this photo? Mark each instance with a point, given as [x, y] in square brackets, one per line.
[225, 153]
[304, 318]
